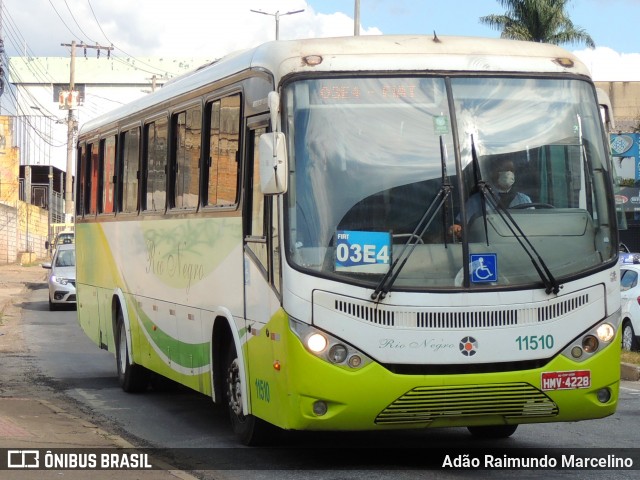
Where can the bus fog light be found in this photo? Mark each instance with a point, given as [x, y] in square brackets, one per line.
[590, 344]
[338, 353]
[606, 332]
[576, 352]
[355, 361]
[316, 343]
[320, 408]
[604, 395]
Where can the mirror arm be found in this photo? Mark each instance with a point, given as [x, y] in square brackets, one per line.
[273, 99]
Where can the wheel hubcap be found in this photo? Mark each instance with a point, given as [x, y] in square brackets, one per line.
[234, 388]
[626, 338]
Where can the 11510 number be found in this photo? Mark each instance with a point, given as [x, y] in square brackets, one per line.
[535, 342]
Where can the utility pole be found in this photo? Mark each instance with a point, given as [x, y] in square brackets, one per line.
[70, 103]
[356, 18]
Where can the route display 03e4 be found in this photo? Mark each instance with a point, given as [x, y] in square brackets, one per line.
[365, 233]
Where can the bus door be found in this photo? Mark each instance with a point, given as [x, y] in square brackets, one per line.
[261, 286]
[260, 299]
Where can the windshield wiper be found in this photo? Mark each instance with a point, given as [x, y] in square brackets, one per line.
[549, 281]
[587, 170]
[436, 204]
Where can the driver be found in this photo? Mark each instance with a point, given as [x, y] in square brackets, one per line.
[502, 177]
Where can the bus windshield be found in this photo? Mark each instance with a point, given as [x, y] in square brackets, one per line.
[369, 156]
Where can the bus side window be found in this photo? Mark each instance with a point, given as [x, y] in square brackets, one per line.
[92, 180]
[108, 165]
[222, 174]
[262, 229]
[256, 236]
[155, 163]
[128, 178]
[81, 164]
[186, 155]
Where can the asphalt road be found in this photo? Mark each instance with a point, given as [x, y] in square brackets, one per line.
[67, 367]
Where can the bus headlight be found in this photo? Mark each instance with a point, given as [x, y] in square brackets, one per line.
[606, 332]
[589, 343]
[338, 353]
[327, 347]
[593, 340]
[316, 342]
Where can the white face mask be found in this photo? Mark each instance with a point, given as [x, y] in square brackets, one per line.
[506, 180]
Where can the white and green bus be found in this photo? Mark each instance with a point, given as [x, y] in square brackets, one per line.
[311, 233]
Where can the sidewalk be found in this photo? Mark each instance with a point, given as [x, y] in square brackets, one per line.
[36, 423]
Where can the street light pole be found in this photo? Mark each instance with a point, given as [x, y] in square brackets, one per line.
[356, 18]
[277, 16]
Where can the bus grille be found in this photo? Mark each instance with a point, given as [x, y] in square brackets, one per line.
[459, 318]
[426, 404]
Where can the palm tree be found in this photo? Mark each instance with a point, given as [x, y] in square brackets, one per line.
[543, 21]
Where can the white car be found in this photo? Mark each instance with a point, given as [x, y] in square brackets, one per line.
[62, 279]
[630, 287]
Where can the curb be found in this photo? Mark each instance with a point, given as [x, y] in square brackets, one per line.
[630, 372]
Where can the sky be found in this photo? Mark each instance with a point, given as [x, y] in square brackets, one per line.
[213, 28]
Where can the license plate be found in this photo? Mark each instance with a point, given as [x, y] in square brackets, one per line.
[566, 380]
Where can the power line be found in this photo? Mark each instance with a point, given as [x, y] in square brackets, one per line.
[62, 20]
[127, 54]
[98, 22]
[77, 24]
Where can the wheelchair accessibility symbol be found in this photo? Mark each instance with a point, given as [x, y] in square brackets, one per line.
[484, 267]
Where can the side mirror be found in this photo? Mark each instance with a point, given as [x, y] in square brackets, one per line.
[46, 265]
[46, 245]
[273, 163]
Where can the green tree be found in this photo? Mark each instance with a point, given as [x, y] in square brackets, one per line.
[544, 21]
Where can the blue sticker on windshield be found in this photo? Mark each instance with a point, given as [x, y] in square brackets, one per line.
[364, 252]
[484, 267]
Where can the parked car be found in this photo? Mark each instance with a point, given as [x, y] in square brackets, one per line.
[62, 279]
[630, 287]
[61, 238]
[629, 258]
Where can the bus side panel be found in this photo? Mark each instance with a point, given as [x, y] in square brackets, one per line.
[170, 272]
[92, 270]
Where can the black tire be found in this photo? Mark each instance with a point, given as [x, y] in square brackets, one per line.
[629, 339]
[52, 306]
[132, 378]
[250, 430]
[493, 431]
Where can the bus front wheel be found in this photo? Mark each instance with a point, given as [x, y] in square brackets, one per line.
[249, 429]
[493, 431]
[132, 378]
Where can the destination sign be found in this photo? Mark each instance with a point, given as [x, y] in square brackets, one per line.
[378, 90]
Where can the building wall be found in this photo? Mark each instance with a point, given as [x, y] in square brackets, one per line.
[23, 233]
[625, 102]
[23, 227]
[9, 165]
[8, 234]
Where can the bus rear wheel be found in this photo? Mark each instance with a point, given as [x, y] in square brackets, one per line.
[249, 429]
[132, 378]
[493, 431]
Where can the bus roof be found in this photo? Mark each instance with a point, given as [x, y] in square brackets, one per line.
[380, 53]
